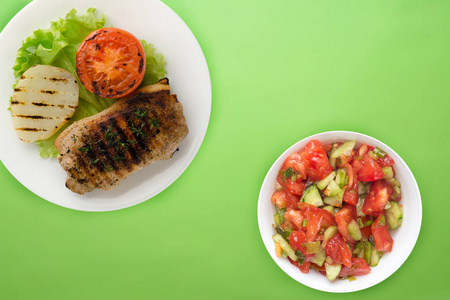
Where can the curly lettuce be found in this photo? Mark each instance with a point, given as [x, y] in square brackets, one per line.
[57, 46]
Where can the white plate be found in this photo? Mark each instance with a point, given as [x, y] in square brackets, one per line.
[188, 74]
[405, 236]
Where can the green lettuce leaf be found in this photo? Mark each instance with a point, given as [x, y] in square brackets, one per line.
[155, 65]
[57, 46]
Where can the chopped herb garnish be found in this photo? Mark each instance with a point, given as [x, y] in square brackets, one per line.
[154, 123]
[93, 162]
[74, 138]
[108, 168]
[85, 149]
[301, 257]
[140, 113]
[288, 173]
[138, 131]
[111, 137]
[119, 158]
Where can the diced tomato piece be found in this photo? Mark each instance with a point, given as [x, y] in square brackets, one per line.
[366, 232]
[343, 217]
[297, 240]
[317, 218]
[381, 235]
[350, 197]
[318, 165]
[351, 190]
[343, 160]
[295, 216]
[279, 199]
[318, 268]
[386, 161]
[367, 169]
[291, 201]
[362, 150]
[337, 250]
[376, 199]
[304, 268]
[302, 205]
[295, 187]
[284, 199]
[358, 267]
[296, 162]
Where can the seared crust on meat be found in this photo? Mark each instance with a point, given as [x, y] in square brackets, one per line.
[101, 150]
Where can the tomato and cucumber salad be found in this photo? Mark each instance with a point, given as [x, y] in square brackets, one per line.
[336, 205]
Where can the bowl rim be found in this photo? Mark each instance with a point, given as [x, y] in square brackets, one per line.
[292, 271]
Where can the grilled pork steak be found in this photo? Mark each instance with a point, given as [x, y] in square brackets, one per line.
[100, 151]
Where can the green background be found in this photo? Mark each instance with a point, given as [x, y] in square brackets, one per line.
[280, 71]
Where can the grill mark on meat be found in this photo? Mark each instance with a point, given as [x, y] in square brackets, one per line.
[86, 159]
[123, 136]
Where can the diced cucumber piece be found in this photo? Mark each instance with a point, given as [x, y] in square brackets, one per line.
[354, 231]
[332, 189]
[329, 209]
[378, 152]
[341, 178]
[324, 182]
[359, 250]
[359, 205]
[373, 155]
[397, 189]
[278, 218]
[285, 246]
[388, 172]
[334, 146]
[332, 271]
[375, 257]
[394, 215]
[394, 182]
[334, 201]
[344, 149]
[387, 205]
[361, 188]
[319, 258]
[328, 234]
[312, 196]
[368, 251]
[312, 247]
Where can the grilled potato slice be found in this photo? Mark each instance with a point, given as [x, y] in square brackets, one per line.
[44, 99]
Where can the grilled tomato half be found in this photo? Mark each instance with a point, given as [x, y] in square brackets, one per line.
[110, 62]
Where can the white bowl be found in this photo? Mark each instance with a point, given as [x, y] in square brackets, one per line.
[404, 237]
